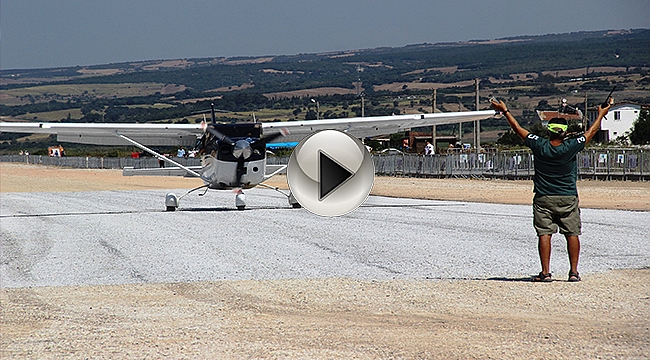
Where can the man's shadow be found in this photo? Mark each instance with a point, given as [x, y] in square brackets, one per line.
[511, 279]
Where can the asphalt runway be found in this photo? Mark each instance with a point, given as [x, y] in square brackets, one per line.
[120, 237]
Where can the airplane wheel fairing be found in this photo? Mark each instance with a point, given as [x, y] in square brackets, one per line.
[293, 202]
[171, 201]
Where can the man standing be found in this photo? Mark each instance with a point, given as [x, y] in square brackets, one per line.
[428, 149]
[555, 204]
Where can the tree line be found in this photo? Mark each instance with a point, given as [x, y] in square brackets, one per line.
[394, 65]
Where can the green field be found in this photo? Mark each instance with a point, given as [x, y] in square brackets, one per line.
[52, 115]
[152, 106]
[45, 93]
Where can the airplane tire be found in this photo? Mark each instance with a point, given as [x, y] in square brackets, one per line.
[296, 206]
[171, 208]
[241, 207]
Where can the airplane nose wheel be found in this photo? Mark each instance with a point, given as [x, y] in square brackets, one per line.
[240, 200]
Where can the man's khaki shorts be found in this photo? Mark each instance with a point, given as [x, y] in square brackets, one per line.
[551, 212]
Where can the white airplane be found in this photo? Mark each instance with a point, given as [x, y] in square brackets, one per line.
[233, 155]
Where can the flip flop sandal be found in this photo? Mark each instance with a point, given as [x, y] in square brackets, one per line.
[542, 277]
[574, 277]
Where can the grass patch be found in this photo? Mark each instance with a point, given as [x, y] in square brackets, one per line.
[51, 92]
[148, 106]
[52, 115]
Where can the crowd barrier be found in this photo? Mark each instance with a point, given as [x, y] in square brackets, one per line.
[603, 164]
[95, 162]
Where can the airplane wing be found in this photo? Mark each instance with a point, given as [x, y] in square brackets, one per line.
[371, 126]
[107, 134]
[187, 134]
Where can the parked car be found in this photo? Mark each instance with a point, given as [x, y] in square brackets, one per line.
[390, 151]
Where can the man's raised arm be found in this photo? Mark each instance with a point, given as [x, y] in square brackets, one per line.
[593, 129]
[501, 107]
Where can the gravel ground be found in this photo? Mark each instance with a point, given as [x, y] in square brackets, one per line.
[605, 316]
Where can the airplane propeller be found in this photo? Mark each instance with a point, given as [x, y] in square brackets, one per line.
[267, 139]
[240, 171]
[210, 128]
[242, 150]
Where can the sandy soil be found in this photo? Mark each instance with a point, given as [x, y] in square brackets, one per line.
[622, 195]
[605, 316]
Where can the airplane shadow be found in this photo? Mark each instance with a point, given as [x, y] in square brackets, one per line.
[146, 211]
[225, 209]
[121, 212]
[127, 212]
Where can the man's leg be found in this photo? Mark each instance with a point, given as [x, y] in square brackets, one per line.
[544, 247]
[573, 248]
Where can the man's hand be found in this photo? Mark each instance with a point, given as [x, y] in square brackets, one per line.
[602, 111]
[498, 105]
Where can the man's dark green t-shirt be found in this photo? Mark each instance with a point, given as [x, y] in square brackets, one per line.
[556, 169]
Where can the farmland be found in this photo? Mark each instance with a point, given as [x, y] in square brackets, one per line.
[539, 72]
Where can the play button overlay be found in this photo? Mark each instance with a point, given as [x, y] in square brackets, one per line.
[330, 173]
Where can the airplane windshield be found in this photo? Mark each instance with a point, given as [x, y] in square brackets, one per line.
[253, 131]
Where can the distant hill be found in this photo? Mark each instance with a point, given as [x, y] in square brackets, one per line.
[273, 73]
[530, 72]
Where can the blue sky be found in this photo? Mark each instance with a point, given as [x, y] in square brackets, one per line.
[48, 33]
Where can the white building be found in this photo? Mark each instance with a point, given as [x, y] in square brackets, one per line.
[618, 121]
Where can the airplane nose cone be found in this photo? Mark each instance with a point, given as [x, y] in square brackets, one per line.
[242, 149]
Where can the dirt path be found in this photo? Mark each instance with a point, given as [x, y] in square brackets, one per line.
[605, 316]
[622, 195]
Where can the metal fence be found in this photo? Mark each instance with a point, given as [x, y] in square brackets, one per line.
[505, 165]
[94, 162]
[614, 164]
[605, 164]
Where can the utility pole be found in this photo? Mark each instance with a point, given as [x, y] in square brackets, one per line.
[460, 129]
[360, 91]
[317, 108]
[433, 100]
[585, 116]
[477, 123]
[433, 111]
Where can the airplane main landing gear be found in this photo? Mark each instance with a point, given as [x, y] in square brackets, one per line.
[292, 199]
[240, 200]
[293, 202]
[171, 201]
